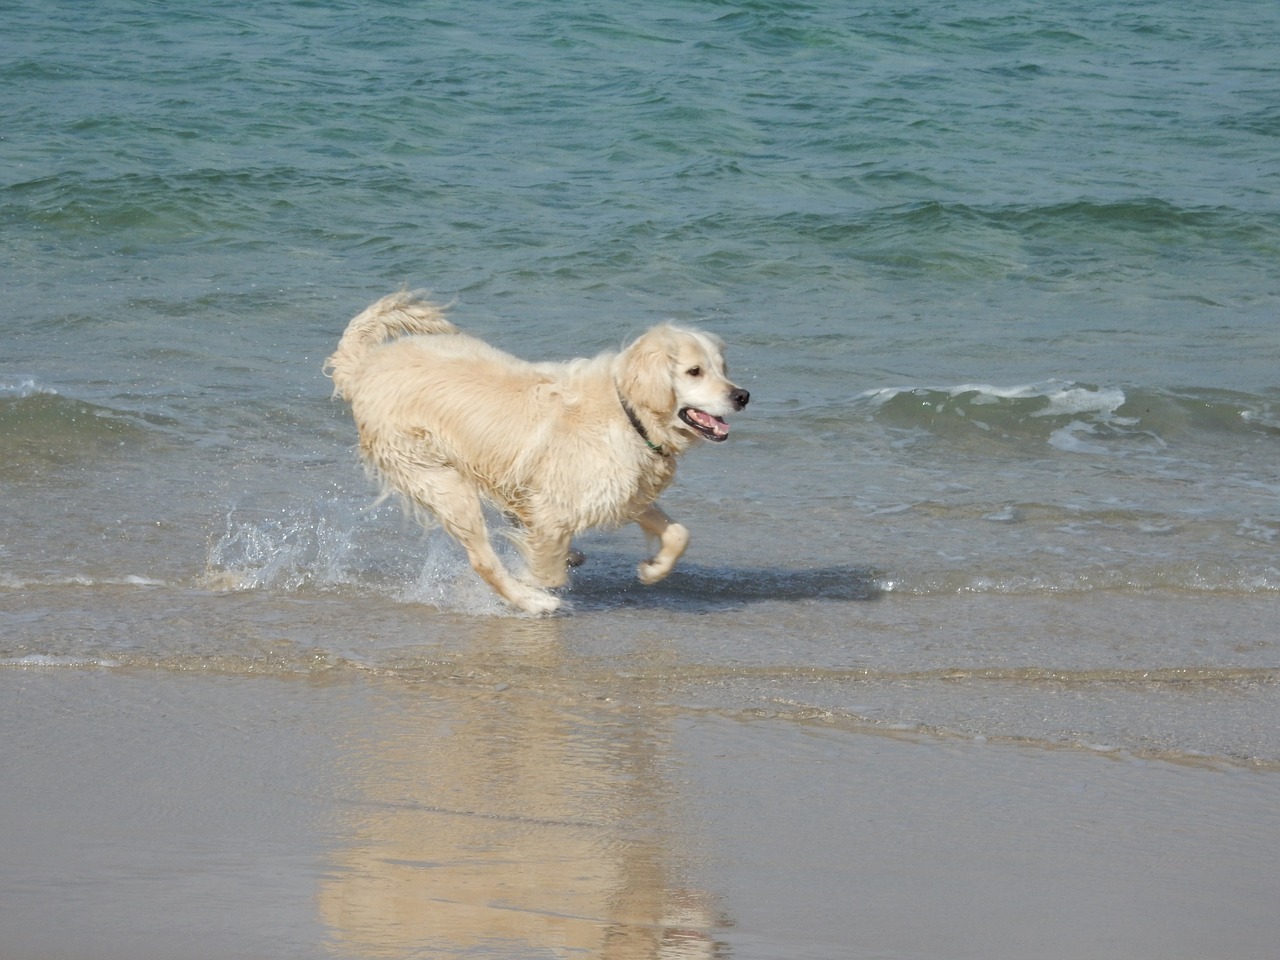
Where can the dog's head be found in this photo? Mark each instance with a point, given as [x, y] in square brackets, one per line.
[676, 381]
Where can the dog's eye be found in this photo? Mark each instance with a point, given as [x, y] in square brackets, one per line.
[694, 371]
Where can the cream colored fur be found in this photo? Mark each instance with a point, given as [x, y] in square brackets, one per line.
[447, 421]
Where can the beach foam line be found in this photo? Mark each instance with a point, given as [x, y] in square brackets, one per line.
[49, 661]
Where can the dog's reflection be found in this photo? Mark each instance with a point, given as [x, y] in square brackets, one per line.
[520, 817]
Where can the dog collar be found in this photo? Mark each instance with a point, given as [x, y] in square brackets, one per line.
[639, 427]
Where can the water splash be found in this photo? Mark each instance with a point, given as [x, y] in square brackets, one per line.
[332, 545]
[301, 547]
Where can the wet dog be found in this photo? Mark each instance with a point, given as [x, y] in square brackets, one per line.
[447, 422]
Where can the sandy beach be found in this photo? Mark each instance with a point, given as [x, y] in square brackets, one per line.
[191, 814]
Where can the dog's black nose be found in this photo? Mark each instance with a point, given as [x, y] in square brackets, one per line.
[739, 398]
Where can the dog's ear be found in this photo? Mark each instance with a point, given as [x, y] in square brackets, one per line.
[645, 374]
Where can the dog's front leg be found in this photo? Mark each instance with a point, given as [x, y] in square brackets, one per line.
[672, 539]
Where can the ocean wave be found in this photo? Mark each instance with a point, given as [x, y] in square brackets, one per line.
[40, 426]
[1085, 245]
[1034, 240]
[14, 581]
[200, 207]
[1071, 417]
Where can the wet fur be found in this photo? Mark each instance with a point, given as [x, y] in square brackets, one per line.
[448, 422]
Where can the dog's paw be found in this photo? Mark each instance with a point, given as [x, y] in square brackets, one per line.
[651, 571]
[538, 602]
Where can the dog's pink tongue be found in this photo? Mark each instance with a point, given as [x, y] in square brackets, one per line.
[714, 424]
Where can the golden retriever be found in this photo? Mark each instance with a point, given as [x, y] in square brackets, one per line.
[447, 422]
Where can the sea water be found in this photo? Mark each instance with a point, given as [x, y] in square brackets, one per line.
[1003, 280]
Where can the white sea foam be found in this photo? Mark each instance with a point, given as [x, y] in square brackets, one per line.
[41, 660]
[1074, 438]
[988, 393]
[25, 388]
[10, 581]
[1065, 398]
[1071, 401]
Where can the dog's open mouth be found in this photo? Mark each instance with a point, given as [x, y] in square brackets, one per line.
[713, 428]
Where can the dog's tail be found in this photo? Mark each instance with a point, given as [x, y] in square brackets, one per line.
[400, 313]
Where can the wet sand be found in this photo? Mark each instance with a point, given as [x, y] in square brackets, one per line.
[191, 814]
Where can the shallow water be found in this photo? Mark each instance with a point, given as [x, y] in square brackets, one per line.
[1001, 282]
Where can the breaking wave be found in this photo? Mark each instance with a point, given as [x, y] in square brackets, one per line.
[1072, 417]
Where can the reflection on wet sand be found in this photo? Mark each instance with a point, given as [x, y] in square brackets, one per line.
[512, 818]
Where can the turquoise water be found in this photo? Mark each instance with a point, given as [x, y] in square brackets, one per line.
[1001, 278]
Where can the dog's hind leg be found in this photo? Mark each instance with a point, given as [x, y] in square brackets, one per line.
[547, 556]
[672, 540]
[454, 501]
